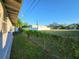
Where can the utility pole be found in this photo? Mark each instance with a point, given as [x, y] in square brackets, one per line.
[37, 24]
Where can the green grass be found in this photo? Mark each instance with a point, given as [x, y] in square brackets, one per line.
[25, 49]
[46, 45]
[58, 44]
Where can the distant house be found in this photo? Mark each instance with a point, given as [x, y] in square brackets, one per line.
[39, 27]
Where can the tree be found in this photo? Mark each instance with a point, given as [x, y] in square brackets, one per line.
[53, 26]
[73, 26]
[22, 25]
[62, 26]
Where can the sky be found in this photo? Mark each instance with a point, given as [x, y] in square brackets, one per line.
[49, 11]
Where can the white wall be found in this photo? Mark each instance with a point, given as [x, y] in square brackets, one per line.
[5, 29]
[39, 27]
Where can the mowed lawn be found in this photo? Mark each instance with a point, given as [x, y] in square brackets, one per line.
[46, 45]
[24, 49]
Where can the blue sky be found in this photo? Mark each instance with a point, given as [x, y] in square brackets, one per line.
[50, 11]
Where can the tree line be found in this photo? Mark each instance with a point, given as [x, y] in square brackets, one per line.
[64, 26]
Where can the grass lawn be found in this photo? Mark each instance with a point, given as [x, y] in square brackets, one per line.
[25, 49]
[46, 45]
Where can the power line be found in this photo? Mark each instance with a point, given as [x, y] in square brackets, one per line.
[34, 5]
[33, 2]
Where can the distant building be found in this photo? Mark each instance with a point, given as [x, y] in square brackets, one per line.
[39, 27]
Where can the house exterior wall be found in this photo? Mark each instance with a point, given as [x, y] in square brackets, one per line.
[5, 35]
[1, 16]
[6, 25]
